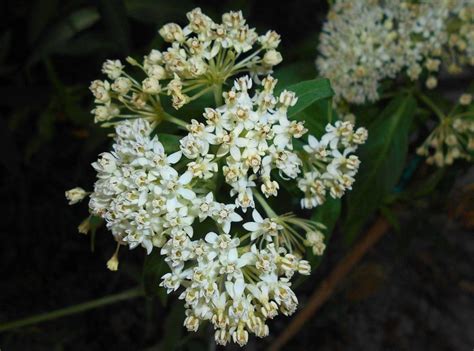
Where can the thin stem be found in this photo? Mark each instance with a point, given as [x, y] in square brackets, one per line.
[431, 105]
[264, 204]
[126, 295]
[218, 94]
[175, 120]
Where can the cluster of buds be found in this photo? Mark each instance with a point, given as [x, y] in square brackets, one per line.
[200, 58]
[452, 139]
[363, 43]
[237, 272]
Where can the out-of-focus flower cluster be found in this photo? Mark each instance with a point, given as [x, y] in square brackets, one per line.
[200, 58]
[452, 139]
[237, 273]
[364, 42]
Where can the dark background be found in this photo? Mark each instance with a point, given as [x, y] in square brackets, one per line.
[414, 291]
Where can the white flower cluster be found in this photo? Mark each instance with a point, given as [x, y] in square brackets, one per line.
[363, 43]
[452, 139]
[254, 136]
[239, 278]
[330, 165]
[200, 58]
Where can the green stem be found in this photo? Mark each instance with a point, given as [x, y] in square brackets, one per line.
[218, 94]
[265, 205]
[431, 105]
[126, 295]
[175, 120]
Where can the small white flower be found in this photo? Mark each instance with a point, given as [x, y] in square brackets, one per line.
[225, 215]
[112, 68]
[75, 195]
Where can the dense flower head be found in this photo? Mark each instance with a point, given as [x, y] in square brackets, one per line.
[364, 42]
[237, 272]
[200, 57]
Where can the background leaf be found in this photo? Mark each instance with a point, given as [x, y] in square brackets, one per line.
[153, 269]
[63, 31]
[116, 21]
[382, 162]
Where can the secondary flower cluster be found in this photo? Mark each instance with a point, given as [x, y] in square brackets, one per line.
[330, 165]
[363, 43]
[200, 58]
[236, 277]
[452, 139]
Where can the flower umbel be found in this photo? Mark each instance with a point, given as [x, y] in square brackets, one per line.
[237, 273]
[200, 58]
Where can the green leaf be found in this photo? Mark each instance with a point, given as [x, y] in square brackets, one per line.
[314, 105]
[173, 327]
[92, 42]
[308, 92]
[41, 13]
[63, 31]
[153, 269]
[317, 116]
[115, 17]
[294, 73]
[170, 142]
[382, 162]
[156, 12]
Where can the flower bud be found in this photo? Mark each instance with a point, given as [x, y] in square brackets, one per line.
[75, 195]
[151, 86]
[272, 58]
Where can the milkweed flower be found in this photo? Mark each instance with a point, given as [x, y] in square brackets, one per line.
[75, 195]
[237, 273]
[363, 43]
[200, 58]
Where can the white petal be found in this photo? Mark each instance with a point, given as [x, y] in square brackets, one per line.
[235, 153]
[239, 287]
[257, 217]
[251, 226]
[229, 287]
[235, 217]
[211, 237]
[175, 157]
[312, 141]
[233, 255]
[147, 245]
[246, 259]
[185, 178]
[226, 227]
[143, 197]
[186, 193]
